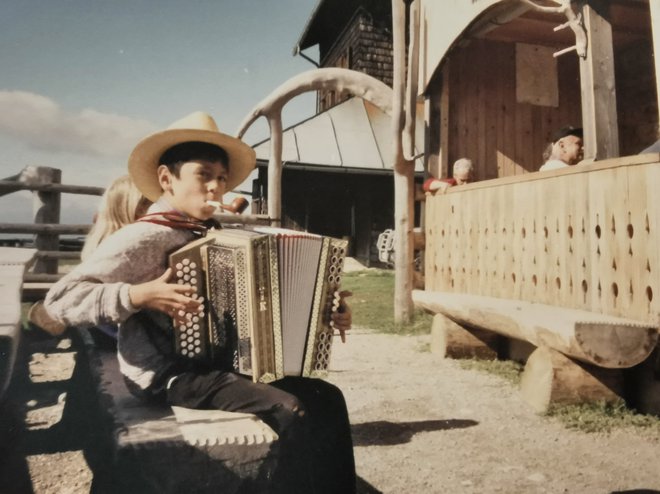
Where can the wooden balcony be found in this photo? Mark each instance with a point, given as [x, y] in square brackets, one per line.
[585, 237]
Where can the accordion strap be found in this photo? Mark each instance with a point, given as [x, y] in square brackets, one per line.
[176, 220]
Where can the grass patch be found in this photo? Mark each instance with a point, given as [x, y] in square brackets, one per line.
[603, 417]
[508, 370]
[372, 303]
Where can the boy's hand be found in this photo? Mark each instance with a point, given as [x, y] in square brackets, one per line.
[341, 318]
[169, 298]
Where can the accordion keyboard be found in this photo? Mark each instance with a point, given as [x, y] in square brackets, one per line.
[188, 326]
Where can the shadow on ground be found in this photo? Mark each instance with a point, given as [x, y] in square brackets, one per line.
[384, 433]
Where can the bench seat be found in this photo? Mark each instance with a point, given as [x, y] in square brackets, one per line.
[171, 449]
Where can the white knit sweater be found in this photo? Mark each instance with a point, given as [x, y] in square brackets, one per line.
[96, 291]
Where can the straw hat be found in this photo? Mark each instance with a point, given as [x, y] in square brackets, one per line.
[199, 126]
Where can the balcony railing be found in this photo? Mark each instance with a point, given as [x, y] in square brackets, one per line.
[585, 237]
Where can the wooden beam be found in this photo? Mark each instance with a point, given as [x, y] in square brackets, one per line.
[655, 26]
[598, 339]
[599, 115]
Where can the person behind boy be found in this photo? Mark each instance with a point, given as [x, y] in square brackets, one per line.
[122, 203]
[126, 281]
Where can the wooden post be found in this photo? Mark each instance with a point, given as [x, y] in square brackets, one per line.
[403, 177]
[599, 115]
[452, 340]
[551, 378]
[643, 385]
[46, 209]
[655, 22]
[275, 169]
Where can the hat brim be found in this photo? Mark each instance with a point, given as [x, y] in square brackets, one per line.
[144, 160]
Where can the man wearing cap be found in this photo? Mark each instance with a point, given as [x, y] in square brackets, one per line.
[565, 149]
[185, 170]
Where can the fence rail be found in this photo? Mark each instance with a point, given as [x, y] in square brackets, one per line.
[47, 189]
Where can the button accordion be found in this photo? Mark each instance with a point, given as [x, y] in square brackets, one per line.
[267, 293]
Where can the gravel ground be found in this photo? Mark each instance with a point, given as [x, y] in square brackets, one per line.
[420, 425]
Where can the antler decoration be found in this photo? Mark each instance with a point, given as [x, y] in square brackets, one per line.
[574, 22]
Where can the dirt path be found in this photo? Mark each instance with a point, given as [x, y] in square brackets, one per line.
[420, 425]
[424, 425]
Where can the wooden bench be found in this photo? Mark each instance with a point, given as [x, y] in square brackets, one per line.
[170, 449]
[578, 357]
[13, 263]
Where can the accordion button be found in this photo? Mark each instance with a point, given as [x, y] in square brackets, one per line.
[193, 265]
[193, 272]
[193, 281]
[186, 269]
[196, 327]
[182, 328]
[178, 265]
[185, 262]
[179, 274]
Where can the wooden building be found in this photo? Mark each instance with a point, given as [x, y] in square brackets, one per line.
[498, 78]
[337, 169]
[336, 179]
[350, 34]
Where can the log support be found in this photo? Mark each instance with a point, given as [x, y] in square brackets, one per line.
[551, 378]
[643, 385]
[452, 340]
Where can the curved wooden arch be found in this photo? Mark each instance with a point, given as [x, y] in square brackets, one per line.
[342, 80]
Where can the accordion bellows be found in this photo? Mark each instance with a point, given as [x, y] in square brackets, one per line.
[268, 295]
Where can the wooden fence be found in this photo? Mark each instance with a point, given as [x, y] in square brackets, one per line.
[46, 187]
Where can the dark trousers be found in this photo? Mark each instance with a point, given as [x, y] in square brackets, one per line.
[309, 416]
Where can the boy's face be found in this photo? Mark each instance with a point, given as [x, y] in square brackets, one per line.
[198, 181]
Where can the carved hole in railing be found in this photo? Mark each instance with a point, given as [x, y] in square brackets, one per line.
[513, 277]
[615, 290]
[570, 284]
[649, 293]
[558, 283]
[545, 232]
[631, 231]
[614, 264]
[570, 231]
[442, 232]
[630, 252]
[613, 225]
[523, 232]
[598, 231]
[648, 265]
[600, 290]
[534, 280]
[648, 228]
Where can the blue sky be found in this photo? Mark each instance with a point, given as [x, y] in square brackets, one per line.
[81, 81]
